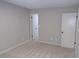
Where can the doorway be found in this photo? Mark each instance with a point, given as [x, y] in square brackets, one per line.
[34, 27]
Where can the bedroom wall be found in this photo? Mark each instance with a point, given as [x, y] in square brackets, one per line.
[50, 23]
[14, 25]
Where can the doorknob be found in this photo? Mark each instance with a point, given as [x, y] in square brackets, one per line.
[62, 32]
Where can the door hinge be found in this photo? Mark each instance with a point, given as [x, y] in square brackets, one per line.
[74, 42]
[31, 17]
[76, 16]
[32, 36]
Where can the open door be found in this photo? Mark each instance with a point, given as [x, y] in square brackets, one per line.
[34, 26]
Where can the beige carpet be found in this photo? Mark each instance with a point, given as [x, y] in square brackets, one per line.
[39, 50]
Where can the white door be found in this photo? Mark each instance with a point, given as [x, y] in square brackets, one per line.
[35, 26]
[68, 30]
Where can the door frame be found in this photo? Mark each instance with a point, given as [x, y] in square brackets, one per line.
[31, 27]
[75, 44]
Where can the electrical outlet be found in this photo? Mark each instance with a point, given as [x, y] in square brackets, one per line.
[78, 30]
[51, 38]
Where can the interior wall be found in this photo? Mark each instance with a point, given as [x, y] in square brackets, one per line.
[14, 25]
[50, 21]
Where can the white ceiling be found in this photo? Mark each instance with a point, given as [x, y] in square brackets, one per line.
[32, 4]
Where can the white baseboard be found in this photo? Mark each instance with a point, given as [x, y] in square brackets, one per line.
[6, 50]
[49, 43]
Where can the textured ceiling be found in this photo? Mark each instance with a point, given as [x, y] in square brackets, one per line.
[33, 4]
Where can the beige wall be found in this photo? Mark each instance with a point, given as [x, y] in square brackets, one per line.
[14, 25]
[50, 24]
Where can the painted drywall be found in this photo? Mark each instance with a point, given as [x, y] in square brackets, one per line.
[50, 24]
[14, 25]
